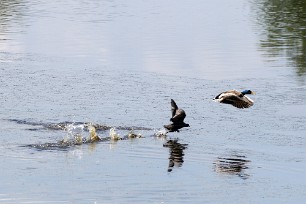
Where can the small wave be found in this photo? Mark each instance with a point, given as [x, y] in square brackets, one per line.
[50, 146]
[25, 122]
[64, 125]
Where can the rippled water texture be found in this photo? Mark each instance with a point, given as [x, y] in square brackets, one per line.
[75, 71]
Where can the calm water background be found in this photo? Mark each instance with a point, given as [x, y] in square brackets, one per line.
[118, 63]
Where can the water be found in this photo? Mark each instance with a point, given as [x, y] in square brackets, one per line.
[67, 64]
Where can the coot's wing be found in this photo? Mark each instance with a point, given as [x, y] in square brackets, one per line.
[173, 108]
[179, 116]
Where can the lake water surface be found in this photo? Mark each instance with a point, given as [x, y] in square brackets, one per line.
[115, 63]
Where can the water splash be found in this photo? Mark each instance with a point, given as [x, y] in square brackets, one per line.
[93, 137]
[75, 136]
[132, 134]
[114, 135]
[160, 133]
[74, 133]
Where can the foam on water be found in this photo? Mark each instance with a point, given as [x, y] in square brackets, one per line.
[74, 132]
[160, 133]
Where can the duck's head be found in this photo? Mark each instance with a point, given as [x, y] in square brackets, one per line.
[247, 92]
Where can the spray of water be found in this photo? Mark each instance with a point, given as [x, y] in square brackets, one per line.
[160, 133]
[74, 133]
[132, 134]
[93, 137]
[114, 135]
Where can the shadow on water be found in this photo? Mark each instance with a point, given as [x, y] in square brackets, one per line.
[232, 165]
[176, 150]
[283, 30]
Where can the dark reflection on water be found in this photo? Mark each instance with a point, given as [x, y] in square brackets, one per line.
[284, 30]
[176, 150]
[11, 11]
[232, 165]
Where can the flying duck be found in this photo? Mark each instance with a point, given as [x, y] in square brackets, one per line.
[235, 98]
[178, 116]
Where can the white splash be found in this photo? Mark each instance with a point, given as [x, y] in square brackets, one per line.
[160, 133]
[74, 132]
[113, 134]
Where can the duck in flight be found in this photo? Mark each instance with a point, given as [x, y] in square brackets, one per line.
[235, 98]
[177, 119]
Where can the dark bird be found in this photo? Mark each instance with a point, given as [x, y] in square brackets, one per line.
[178, 116]
[235, 98]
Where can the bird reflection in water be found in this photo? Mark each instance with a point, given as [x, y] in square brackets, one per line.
[176, 149]
[233, 165]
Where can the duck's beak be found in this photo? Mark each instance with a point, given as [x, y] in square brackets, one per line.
[252, 92]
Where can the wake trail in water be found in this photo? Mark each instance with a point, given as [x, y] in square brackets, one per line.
[64, 125]
[75, 137]
[78, 133]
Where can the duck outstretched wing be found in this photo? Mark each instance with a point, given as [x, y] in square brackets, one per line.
[237, 101]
